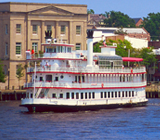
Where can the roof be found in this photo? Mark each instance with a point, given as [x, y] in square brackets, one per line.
[109, 57]
[136, 19]
[127, 30]
[97, 17]
[132, 59]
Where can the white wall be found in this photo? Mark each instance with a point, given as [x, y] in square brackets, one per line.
[137, 43]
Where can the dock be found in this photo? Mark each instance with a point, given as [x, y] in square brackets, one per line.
[12, 94]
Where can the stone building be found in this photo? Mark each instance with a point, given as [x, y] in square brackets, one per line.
[23, 25]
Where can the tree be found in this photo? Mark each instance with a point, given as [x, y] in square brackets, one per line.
[152, 25]
[2, 75]
[118, 19]
[90, 11]
[20, 72]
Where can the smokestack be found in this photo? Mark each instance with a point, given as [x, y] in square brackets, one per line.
[90, 48]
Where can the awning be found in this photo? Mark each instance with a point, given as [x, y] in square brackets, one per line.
[132, 59]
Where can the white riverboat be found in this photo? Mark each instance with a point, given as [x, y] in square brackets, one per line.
[81, 80]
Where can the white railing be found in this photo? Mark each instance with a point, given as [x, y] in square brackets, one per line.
[85, 85]
[85, 70]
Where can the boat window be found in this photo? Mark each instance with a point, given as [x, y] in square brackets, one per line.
[82, 95]
[72, 95]
[108, 94]
[89, 95]
[129, 93]
[68, 49]
[77, 95]
[105, 95]
[53, 95]
[40, 78]
[101, 94]
[116, 94]
[61, 95]
[75, 78]
[126, 94]
[48, 78]
[93, 95]
[56, 78]
[132, 93]
[67, 95]
[83, 80]
[112, 94]
[85, 95]
[119, 94]
[122, 93]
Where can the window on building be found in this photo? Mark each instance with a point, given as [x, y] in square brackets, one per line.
[5, 70]
[35, 29]
[78, 30]
[6, 28]
[78, 46]
[35, 47]
[18, 48]
[49, 28]
[63, 29]
[18, 28]
[6, 49]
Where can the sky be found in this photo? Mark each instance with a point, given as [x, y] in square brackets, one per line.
[133, 8]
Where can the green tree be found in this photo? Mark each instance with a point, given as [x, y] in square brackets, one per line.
[152, 24]
[118, 19]
[90, 11]
[20, 72]
[2, 75]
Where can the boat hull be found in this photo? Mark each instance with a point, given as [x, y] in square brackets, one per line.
[67, 108]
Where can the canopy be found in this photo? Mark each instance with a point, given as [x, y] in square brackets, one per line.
[132, 59]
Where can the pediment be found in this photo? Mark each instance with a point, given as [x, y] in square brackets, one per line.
[53, 10]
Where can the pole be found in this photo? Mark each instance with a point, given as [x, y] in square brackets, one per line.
[128, 55]
[34, 80]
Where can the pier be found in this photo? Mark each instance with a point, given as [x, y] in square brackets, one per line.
[153, 91]
[12, 94]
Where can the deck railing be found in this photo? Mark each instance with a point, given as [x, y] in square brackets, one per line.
[85, 70]
[86, 85]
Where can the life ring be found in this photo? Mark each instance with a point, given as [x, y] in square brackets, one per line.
[102, 85]
[131, 70]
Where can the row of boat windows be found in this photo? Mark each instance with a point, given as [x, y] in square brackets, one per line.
[91, 95]
[58, 49]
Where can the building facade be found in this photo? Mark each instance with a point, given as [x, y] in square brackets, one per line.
[23, 27]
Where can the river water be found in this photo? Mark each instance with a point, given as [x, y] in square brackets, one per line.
[141, 123]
